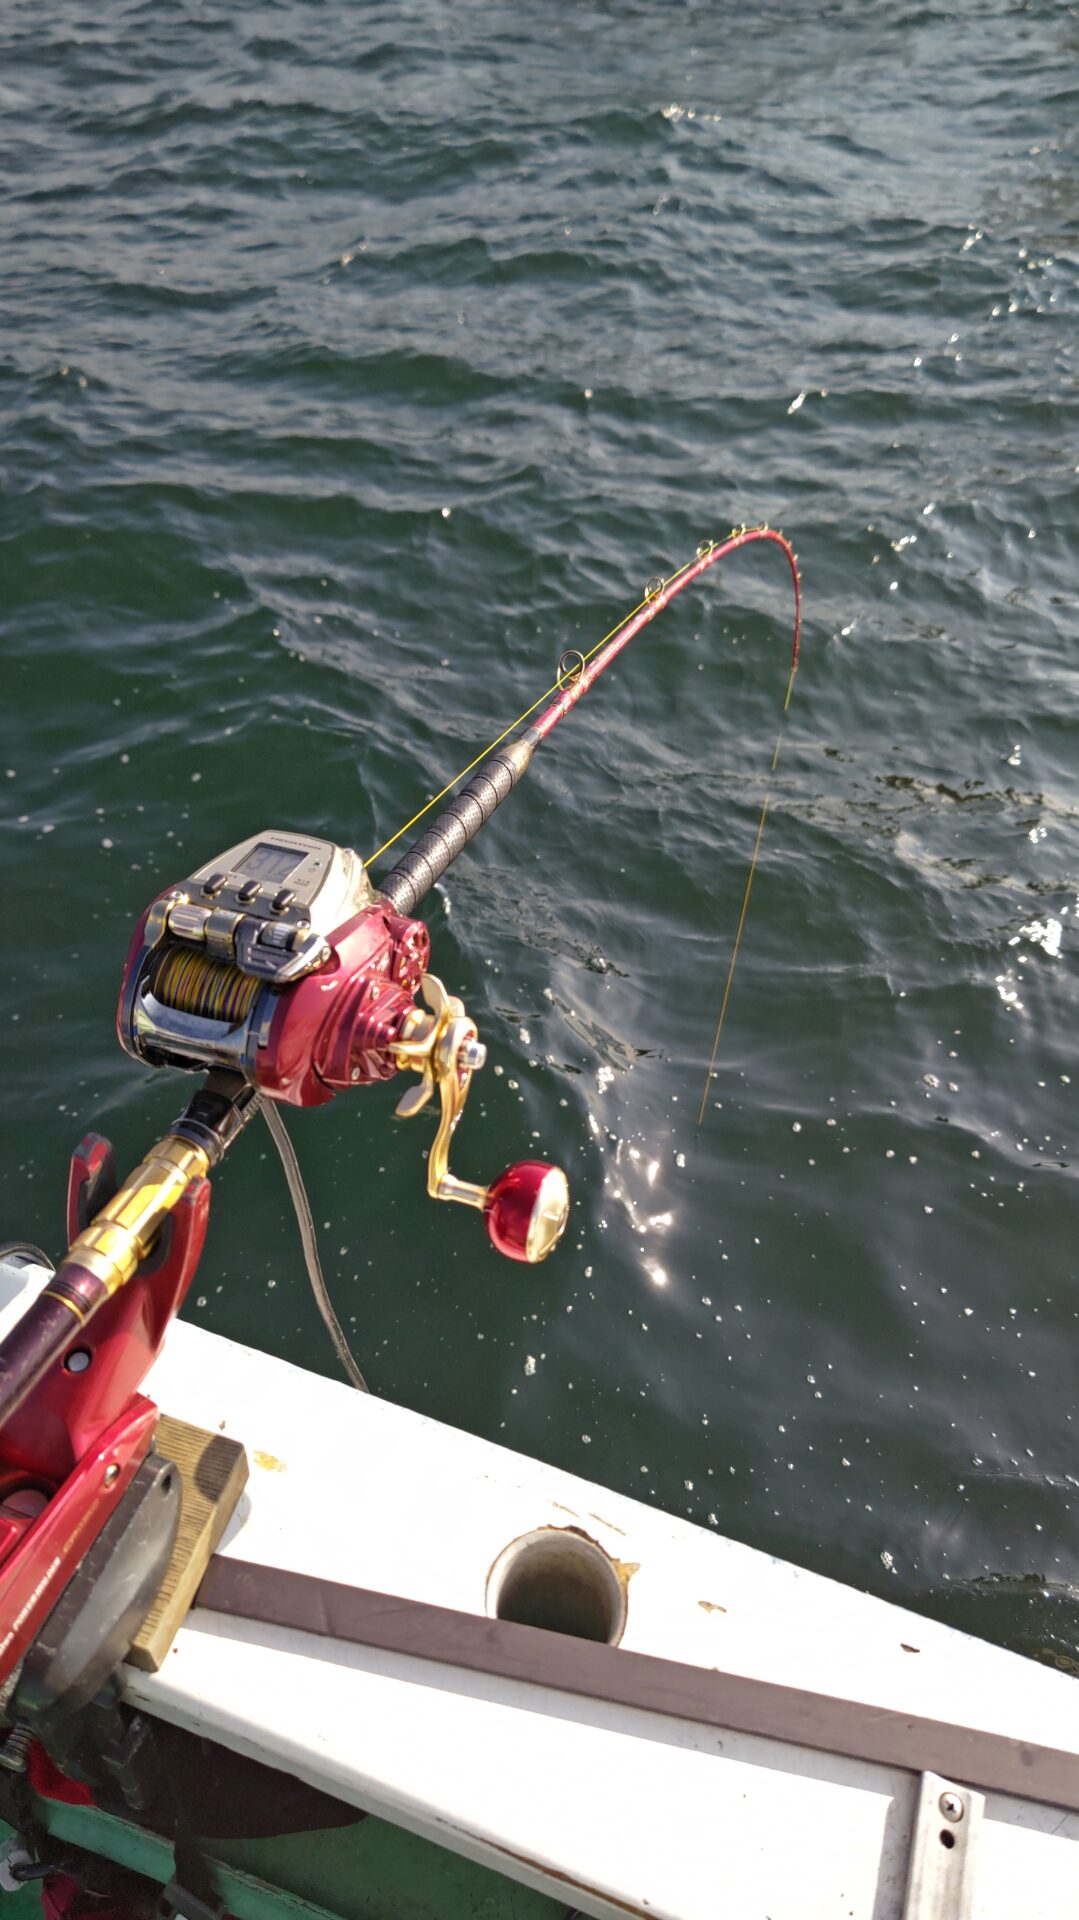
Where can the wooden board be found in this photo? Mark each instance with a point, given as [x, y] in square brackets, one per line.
[213, 1471]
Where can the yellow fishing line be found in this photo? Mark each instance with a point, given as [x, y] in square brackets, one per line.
[745, 909]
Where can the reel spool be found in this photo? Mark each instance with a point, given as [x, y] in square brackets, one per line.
[186, 981]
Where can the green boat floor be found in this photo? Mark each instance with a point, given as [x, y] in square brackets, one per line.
[369, 1871]
[375, 1868]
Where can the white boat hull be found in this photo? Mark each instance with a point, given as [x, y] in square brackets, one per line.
[607, 1807]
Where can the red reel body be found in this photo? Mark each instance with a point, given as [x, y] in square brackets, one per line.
[336, 1028]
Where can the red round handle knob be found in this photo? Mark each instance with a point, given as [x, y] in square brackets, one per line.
[526, 1210]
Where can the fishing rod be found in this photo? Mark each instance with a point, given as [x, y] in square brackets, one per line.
[285, 975]
[415, 874]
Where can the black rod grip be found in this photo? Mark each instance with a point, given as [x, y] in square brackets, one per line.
[426, 861]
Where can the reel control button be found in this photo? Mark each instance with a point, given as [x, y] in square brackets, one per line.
[249, 891]
[221, 930]
[214, 884]
[282, 899]
[188, 922]
[277, 934]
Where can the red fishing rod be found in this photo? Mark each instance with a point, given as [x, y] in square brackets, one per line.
[436, 849]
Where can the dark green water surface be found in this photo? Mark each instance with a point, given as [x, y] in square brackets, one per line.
[356, 359]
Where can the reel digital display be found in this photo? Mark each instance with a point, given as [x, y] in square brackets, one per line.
[288, 879]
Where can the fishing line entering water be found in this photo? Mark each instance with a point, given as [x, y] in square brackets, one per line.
[745, 908]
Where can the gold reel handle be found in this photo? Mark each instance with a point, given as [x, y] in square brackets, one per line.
[527, 1207]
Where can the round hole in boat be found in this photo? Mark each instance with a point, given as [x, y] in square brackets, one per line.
[947, 1839]
[558, 1579]
[78, 1360]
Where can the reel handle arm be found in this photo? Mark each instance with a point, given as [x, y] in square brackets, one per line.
[525, 1210]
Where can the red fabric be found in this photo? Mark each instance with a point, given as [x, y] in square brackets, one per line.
[47, 1779]
[63, 1899]
[59, 1894]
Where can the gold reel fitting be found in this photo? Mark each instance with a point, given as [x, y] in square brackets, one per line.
[443, 1046]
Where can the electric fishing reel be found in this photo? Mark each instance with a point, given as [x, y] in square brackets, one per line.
[279, 962]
